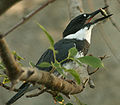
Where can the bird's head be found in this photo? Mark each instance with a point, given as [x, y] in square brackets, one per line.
[84, 20]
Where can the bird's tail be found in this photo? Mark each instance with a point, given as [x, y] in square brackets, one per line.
[21, 92]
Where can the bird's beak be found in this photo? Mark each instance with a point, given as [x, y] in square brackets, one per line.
[102, 18]
[102, 11]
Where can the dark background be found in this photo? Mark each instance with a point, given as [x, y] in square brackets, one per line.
[30, 42]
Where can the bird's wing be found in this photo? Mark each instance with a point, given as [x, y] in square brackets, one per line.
[62, 47]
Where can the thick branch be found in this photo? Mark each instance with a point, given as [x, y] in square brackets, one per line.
[13, 69]
[6, 4]
[50, 81]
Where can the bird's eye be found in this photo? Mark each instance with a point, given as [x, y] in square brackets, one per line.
[84, 15]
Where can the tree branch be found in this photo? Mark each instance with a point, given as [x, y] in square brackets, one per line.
[27, 17]
[6, 4]
[50, 81]
[9, 61]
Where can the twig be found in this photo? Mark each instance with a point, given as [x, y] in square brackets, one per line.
[90, 82]
[8, 88]
[94, 71]
[112, 21]
[27, 17]
[78, 100]
[101, 57]
[108, 42]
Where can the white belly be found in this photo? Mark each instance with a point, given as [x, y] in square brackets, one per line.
[73, 65]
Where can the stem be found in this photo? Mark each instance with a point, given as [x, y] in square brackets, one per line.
[78, 100]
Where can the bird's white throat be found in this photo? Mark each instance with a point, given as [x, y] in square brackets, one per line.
[82, 34]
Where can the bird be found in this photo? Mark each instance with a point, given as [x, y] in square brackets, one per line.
[77, 34]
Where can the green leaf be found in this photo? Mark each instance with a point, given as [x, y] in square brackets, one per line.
[2, 66]
[17, 56]
[91, 61]
[69, 104]
[77, 61]
[31, 64]
[72, 52]
[44, 64]
[58, 67]
[74, 74]
[5, 80]
[47, 34]
[59, 98]
[1, 75]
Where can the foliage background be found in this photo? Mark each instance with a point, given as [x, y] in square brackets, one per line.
[30, 42]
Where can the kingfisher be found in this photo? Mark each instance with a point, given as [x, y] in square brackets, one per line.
[77, 34]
